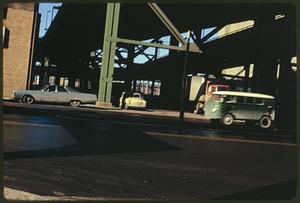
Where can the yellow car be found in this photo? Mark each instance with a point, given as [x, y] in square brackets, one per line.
[132, 100]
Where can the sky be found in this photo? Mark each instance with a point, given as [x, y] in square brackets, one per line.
[45, 9]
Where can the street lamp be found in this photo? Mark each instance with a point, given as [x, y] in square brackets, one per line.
[183, 84]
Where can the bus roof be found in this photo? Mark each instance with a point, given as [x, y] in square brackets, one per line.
[244, 94]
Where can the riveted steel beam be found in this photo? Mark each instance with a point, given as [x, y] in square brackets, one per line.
[109, 50]
[170, 26]
[149, 44]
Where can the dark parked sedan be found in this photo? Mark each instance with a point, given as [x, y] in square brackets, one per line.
[54, 94]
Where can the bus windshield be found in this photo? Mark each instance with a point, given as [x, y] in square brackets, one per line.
[215, 98]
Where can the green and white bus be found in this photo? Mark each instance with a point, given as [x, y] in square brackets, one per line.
[228, 106]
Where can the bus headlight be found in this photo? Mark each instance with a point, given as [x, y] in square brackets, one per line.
[214, 109]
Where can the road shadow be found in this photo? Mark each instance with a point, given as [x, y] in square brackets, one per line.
[113, 137]
[94, 139]
[281, 191]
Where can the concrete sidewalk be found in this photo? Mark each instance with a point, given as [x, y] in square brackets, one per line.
[89, 108]
[13, 194]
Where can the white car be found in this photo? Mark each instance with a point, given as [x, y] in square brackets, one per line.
[54, 94]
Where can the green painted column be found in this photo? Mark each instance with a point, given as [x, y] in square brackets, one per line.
[109, 49]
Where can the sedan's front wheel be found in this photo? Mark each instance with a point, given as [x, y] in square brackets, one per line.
[74, 103]
[28, 99]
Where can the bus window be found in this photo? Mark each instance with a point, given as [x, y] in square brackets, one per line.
[259, 101]
[240, 100]
[249, 100]
[230, 99]
[211, 89]
[215, 98]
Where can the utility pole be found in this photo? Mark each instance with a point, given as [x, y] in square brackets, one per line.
[183, 85]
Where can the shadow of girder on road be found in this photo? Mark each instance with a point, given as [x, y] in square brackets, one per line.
[93, 139]
[113, 137]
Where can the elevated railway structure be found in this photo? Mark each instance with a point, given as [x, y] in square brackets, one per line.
[98, 45]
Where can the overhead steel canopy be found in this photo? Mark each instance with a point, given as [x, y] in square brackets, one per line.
[78, 28]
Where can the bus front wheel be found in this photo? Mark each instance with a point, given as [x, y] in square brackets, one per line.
[227, 119]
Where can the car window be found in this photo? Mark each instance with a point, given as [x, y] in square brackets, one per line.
[50, 89]
[61, 89]
[70, 89]
[136, 95]
[44, 88]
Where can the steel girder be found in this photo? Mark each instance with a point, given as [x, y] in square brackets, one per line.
[111, 39]
[109, 49]
[167, 22]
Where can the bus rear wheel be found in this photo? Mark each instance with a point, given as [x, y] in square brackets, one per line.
[265, 122]
[227, 119]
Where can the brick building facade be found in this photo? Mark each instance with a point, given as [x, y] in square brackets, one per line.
[19, 30]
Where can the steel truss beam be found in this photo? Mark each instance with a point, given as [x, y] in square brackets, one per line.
[167, 22]
[211, 33]
[148, 44]
[142, 49]
[111, 39]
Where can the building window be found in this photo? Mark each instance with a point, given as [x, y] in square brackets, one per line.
[36, 80]
[66, 82]
[147, 87]
[89, 84]
[5, 34]
[63, 81]
[52, 80]
[77, 83]
[156, 89]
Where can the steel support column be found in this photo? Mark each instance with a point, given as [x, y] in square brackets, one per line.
[109, 49]
[130, 68]
[285, 115]
[246, 78]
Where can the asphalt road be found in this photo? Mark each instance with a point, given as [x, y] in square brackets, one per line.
[59, 155]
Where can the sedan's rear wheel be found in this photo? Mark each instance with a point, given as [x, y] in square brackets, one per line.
[28, 99]
[74, 103]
